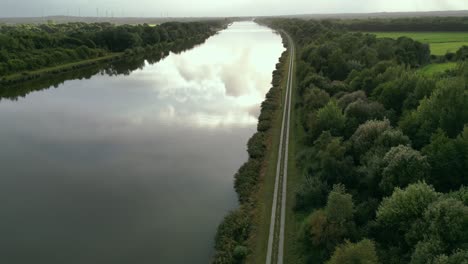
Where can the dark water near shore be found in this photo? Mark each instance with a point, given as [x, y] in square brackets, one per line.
[134, 168]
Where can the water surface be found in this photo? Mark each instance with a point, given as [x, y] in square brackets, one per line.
[133, 168]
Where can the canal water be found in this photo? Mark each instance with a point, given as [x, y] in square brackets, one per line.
[132, 166]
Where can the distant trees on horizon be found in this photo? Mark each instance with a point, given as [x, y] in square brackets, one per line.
[33, 47]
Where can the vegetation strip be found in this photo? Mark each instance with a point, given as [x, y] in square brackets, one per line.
[32, 51]
[286, 155]
[383, 154]
[276, 234]
[238, 236]
[30, 75]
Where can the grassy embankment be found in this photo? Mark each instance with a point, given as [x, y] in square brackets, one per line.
[293, 248]
[440, 42]
[267, 185]
[28, 75]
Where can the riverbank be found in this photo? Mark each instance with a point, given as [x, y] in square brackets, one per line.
[243, 234]
[59, 69]
[267, 186]
[151, 53]
[39, 60]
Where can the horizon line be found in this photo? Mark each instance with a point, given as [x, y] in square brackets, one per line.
[247, 16]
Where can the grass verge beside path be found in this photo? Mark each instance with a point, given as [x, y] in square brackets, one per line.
[267, 185]
[293, 247]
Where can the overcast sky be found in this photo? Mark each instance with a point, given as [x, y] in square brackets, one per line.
[155, 8]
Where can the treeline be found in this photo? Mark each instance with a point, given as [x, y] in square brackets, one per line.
[452, 24]
[384, 158]
[13, 90]
[233, 234]
[32, 47]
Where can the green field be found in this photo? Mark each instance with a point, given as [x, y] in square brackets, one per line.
[432, 69]
[440, 42]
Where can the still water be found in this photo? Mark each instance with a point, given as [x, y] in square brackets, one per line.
[135, 168]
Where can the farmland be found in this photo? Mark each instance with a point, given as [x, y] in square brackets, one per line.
[435, 68]
[440, 42]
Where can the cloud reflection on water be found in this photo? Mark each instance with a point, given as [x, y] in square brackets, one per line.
[214, 85]
[130, 169]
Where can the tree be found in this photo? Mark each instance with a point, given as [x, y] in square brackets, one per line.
[363, 80]
[445, 109]
[349, 98]
[372, 162]
[329, 118]
[394, 93]
[401, 213]
[150, 35]
[411, 52]
[246, 179]
[362, 252]
[458, 257]
[368, 56]
[330, 162]
[337, 87]
[337, 68]
[366, 135]
[424, 88]
[405, 205]
[392, 138]
[312, 193]
[16, 65]
[240, 253]
[447, 157]
[340, 206]
[315, 98]
[256, 146]
[163, 35]
[402, 165]
[461, 195]
[462, 53]
[361, 111]
[444, 228]
[313, 80]
[426, 251]
[447, 220]
[327, 228]
[231, 233]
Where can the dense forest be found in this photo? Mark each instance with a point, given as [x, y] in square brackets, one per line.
[383, 152]
[384, 156]
[32, 47]
[113, 67]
